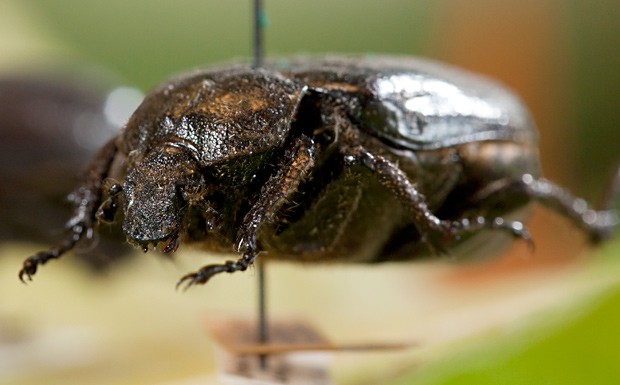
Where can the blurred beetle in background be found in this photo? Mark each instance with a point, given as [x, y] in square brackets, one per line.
[51, 126]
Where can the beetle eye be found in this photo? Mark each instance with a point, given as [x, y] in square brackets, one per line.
[107, 211]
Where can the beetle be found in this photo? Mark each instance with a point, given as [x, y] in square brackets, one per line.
[337, 159]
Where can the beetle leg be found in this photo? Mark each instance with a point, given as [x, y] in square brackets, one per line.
[598, 224]
[296, 164]
[435, 232]
[85, 199]
[516, 228]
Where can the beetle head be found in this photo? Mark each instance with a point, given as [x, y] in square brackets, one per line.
[153, 196]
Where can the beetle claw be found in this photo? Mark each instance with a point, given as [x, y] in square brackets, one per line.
[188, 279]
[30, 267]
[516, 229]
[202, 276]
[27, 271]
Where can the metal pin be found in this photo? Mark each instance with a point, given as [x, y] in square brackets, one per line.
[259, 22]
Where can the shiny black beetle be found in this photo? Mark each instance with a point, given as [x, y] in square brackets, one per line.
[339, 159]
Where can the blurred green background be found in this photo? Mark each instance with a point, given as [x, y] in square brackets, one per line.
[562, 57]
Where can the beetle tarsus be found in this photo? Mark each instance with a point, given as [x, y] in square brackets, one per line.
[203, 275]
[86, 200]
[598, 224]
[515, 228]
[439, 238]
[78, 231]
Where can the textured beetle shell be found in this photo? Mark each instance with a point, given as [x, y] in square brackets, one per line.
[420, 104]
[216, 114]
[451, 132]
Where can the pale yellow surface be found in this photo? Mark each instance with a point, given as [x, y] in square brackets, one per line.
[132, 327]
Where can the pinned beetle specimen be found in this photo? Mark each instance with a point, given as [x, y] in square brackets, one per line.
[333, 160]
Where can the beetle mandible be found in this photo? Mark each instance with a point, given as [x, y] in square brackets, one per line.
[343, 159]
